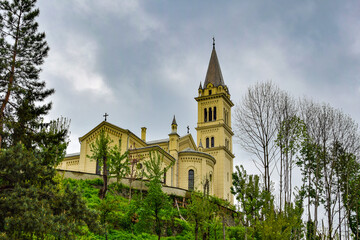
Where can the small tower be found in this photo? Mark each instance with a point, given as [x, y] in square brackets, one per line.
[174, 148]
[214, 126]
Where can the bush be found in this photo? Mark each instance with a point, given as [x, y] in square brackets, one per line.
[238, 233]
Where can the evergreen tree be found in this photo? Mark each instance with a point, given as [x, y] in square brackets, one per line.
[33, 203]
[23, 50]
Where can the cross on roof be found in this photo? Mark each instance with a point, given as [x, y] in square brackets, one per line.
[105, 115]
[188, 129]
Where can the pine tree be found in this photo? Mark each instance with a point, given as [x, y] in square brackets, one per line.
[33, 202]
[23, 49]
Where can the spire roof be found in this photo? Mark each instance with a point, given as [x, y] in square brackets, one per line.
[214, 74]
[174, 121]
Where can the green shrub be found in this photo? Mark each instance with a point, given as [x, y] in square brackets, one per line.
[238, 233]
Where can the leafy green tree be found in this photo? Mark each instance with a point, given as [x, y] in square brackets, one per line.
[118, 163]
[154, 166]
[109, 158]
[156, 204]
[251, 196]
[23, 50]
[155, 207]
[312, 181]
[291, 134]
[200, 211]
[280, 224]
[353, 206]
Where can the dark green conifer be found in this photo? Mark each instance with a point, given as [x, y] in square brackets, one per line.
[23, 49]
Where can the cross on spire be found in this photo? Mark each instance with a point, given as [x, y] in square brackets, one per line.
[105, 115]
[213, 42]
[188, 129]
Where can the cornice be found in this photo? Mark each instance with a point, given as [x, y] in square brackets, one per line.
[220, 148]
[209, 125]
[213, 96]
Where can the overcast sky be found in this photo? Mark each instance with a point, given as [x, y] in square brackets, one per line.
[142, 61]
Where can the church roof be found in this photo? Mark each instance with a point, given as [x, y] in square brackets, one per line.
[214, 74]
[158, 141]
[189, 150]
[72, 154]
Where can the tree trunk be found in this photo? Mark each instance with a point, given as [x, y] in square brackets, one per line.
[223, 223]
[309, 182]
[11, 78]
[339, 196]
[281, 176]
[105, 178]
[196, 229]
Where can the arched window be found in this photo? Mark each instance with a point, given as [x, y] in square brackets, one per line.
[207, 143]
[212, 141]
[205, 115]
[214, 113]
[191, 180]
[210, 115]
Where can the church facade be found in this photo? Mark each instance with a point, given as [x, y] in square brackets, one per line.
[206, 164]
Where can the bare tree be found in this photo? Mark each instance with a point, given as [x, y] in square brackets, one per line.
[256, 126]
[336, 136]
[289, 135]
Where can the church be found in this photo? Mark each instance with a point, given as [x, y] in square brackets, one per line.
[204, 164]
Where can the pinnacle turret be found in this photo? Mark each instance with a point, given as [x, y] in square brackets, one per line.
[174, 121]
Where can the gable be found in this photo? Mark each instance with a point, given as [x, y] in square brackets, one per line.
[187, 141]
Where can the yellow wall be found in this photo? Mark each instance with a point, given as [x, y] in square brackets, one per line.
[202, 165]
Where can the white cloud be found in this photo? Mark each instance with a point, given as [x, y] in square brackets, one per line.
[74, 60]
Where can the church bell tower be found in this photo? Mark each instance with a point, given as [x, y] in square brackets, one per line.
[214, 126]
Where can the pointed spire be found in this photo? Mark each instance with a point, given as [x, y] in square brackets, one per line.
[214, 74]
[200, 87]
[200, 144]
[174, 121]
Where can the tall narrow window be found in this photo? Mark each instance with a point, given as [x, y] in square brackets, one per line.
[224, 115]
[191, 180]
[214, 113]
[207, 143]
[210, 115]
[98, 167]
[205, 115]
[212, 141]
[210, 92]
[164, 175]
